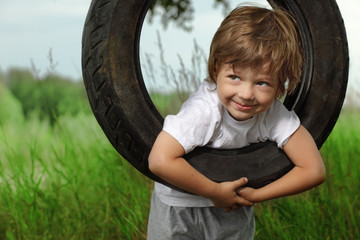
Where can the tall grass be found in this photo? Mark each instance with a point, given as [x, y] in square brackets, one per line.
[169, 87]
[67, 182]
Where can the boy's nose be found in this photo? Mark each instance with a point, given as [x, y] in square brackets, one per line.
[246, 92]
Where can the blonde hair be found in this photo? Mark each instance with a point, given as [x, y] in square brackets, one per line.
[253, 36]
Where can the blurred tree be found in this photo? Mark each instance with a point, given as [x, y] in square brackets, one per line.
[10, 107]
[179, 11]
[50, 96]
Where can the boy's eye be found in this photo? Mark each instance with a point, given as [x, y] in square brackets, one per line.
[262, 83]
[234, 77]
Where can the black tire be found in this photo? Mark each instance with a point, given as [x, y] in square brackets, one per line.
[124, 110]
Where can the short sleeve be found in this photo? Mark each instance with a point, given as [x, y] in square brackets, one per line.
[195, 123]
[281, 123]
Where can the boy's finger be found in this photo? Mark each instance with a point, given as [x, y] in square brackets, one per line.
[244, 202]
[240, 182]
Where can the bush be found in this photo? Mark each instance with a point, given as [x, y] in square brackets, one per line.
[51, 96]
[11, 109]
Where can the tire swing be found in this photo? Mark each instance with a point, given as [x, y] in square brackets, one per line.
[124, 110]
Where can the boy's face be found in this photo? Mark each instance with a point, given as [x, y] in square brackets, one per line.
[244, 91]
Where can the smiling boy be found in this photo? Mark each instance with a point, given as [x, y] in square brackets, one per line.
[244, 91]
[253, 53]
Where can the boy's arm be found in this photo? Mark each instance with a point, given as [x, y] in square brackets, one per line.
[309, 170]
[166, 161]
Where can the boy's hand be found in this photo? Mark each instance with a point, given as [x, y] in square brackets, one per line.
[248, 193]
[226, 197]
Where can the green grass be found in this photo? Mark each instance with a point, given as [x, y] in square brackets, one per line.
[68, 182]
[168, 103]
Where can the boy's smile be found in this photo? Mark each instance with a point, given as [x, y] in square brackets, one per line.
[245, 91]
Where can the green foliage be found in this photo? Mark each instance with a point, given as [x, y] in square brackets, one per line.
[51, 96]
[178, 11]
[62, 179]
[68, 182]
[10, 107]
[166, 103]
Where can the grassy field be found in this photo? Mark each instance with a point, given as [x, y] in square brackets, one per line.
[67, 182]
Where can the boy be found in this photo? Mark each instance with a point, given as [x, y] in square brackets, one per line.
[253, 53]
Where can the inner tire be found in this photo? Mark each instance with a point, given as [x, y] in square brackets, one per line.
[122, 106]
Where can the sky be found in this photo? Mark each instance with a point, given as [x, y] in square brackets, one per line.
[30, 30]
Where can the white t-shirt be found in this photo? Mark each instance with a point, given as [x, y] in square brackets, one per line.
[204, 121]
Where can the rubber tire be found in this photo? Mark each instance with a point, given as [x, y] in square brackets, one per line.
[123, 108]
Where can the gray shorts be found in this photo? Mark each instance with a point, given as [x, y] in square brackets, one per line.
[178, 223]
